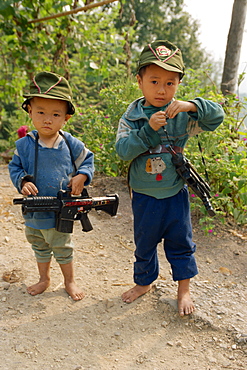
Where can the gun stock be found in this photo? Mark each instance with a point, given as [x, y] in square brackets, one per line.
[186, 171]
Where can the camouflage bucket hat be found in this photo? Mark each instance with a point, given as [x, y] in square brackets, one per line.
[50, 86]
[164, 54]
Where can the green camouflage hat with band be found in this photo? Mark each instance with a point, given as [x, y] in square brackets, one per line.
[50, 86]
[164, 54]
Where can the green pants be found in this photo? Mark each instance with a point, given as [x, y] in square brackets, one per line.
[50, 242]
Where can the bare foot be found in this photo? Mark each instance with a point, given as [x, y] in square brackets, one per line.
[38, 288]
[133, 293]
[185, 303]
[74, 292]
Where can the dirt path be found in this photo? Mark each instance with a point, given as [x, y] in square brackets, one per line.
[50, 331]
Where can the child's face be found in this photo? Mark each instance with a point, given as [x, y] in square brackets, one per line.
[158, 85]
[48, 115]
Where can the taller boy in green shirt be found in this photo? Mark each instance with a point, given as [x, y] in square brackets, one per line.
[160, 199]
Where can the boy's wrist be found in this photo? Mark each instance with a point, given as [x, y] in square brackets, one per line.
[83, 176]
[193, 107]
[26, 179]
[23, 184]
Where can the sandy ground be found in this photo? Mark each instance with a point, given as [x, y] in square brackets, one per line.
[51, 331]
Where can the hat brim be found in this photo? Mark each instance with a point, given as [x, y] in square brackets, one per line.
[164, 66]
[71, 110]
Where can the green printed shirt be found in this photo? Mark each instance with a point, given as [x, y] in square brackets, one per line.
[154, 174]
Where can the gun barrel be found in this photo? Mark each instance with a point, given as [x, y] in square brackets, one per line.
[18, 201]
[34, 200]
[38, 204]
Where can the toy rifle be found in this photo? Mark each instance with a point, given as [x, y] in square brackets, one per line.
[70, 208]
[192, 178]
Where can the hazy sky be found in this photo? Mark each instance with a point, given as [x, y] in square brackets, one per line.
[214, 17]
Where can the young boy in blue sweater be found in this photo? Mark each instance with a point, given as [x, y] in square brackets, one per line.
[42, 165]
[160, 199]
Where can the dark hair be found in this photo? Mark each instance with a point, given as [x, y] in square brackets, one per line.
[69, 105]
[142, 71]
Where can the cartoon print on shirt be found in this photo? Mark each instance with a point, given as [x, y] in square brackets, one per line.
[155, 165]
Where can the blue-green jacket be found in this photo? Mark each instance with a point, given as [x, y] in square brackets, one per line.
[154, 174]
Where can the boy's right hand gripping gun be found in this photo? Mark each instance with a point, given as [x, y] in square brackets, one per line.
[192, 178]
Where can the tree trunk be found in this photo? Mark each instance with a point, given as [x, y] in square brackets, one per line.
[233, 48]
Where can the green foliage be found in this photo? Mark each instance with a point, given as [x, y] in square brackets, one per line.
[97, 125]
[83, 46]
[162, 20]
[224, 150]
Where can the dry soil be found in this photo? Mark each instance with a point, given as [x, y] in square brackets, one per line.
[100, 332]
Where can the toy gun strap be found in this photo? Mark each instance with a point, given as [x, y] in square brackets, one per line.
[191, 177]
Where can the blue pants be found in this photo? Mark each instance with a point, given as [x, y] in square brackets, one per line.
[168, 219]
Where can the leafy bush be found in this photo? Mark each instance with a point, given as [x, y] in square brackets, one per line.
[97, 125]
[225, 153]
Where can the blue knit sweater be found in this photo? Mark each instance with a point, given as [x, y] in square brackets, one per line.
[54, 170]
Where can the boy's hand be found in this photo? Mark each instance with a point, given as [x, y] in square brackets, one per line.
[28, 188]
[77, 184]
[157, 120]
[178, 106]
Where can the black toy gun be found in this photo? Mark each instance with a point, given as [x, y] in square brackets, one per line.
[192, 178]
[70, 208]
